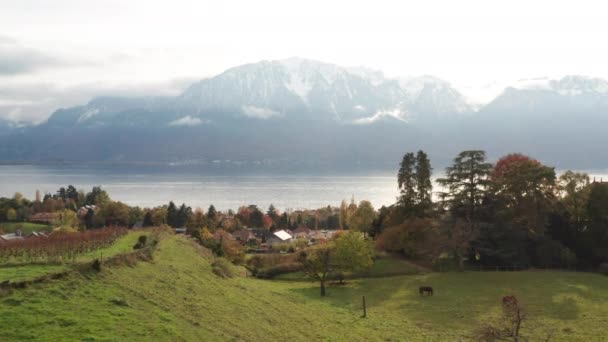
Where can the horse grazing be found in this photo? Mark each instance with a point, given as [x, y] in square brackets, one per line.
[425, 289]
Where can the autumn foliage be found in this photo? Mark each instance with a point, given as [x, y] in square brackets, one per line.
[59, 246]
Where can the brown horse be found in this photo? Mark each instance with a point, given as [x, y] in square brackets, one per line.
[425, 289]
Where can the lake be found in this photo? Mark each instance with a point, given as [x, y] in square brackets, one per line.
[153, 186]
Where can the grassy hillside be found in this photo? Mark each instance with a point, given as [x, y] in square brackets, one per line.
[176, 297]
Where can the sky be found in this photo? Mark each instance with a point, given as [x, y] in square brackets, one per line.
[62, 53]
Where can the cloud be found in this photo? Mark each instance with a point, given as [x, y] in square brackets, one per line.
[33, 102]
[16, 59]
[259, 112]
[187, 121]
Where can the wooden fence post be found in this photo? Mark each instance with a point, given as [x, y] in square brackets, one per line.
[364, 308]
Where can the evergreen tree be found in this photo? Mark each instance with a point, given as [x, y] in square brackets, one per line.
[424, 186]
[343, 215]
[172, 215]
[148, 219]
[406, 179]
[272, 212]
[211, 213]
[466, 183]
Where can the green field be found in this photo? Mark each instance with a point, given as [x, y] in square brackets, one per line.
[26, 227]
[383, 267]
[176, 297]
[26, 272]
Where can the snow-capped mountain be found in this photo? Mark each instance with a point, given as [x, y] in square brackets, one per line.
[303, 111]
[292, 88]
[318, 90]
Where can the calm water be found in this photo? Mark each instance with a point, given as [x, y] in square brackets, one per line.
[148, 187]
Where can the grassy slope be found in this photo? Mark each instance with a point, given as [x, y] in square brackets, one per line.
[176, 297]
[17, 273]
[26, 227]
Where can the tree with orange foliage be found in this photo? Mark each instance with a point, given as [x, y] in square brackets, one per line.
[526, 188]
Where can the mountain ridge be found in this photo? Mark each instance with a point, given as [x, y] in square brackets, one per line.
[303, 112]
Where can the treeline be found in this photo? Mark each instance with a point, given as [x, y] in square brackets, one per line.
[514, 213]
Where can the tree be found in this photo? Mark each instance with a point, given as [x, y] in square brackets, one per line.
[424, 186]
[172, 215]
[255, 217]
[597, 234]
[456, 238]
[197, 220]
[574, 190]
[415, 238]
[18, 198]
[406, 179]
[159, 216]
[66, 220]
[316, 263]
[363, 217]
[525, 188]
[352, 253]
[343, 214]
[97, 196]
[272, 212]
[114, 214]
[183, 214]
[211, 214]
[11, 214]
[466, 182]
[148, 219]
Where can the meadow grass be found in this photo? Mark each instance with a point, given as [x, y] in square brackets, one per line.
[176, 297]
[26, 227]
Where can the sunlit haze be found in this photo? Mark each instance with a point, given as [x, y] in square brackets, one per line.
[62, 53]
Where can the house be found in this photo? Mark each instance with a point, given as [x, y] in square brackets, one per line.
[323, 235]
[243, 236]
[83, 211]
[46, 218]
[280, 236]
[221, 234]
[37, 235]
[302, 233]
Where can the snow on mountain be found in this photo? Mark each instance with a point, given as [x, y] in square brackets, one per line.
[573, 85]
[296, 86]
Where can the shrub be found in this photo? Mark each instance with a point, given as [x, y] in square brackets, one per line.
[223, 268]
[274, 271]
[604, 268]
[551, 253]
[141, 242]
[255, 263]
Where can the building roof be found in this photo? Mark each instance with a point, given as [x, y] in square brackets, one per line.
[10, 236]
[243, 234]
[283, 235]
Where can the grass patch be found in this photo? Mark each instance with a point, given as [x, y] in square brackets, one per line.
[26, 227]
[177, 297]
